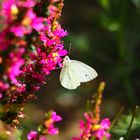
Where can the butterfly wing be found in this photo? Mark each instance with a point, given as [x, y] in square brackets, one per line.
[68, 77]
[85, 73]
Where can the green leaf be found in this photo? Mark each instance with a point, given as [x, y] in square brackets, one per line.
[104, 3]
[122, 126]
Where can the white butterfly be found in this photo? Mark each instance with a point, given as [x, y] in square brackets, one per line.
[74, 72]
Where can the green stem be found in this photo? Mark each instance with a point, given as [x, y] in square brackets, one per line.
[130, 126]
[116, 118]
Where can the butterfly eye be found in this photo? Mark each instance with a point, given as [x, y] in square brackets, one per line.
[66, 58]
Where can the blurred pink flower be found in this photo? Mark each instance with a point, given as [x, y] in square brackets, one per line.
[19, 31]
[35, 22]
[1, 95]
[27, 3]
[49, 123]
[102, 131]
[10, 10]
[3, 86]
[105, 123]
[15, 70]
[90, 129]
[29, 22]
[32, 135]
[55, 117]
[16, 62]
[6, 9]
[43, 138]
[52, 130]
[47, 127]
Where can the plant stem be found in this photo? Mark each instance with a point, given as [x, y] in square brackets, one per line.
[116, 118]
[132, 119]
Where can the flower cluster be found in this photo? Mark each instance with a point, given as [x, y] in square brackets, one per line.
[30, 48]
[47, 128]
[20, 18]
[92, 127]
[92, 130]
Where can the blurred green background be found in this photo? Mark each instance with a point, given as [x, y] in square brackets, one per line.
[104, 34]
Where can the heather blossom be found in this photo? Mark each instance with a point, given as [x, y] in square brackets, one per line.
[30, 48]
[47, 128]
[32, 135]
[102, 129]
[16, 62]
[21, 25]
[90, 129]
[29, 22]
[51, 118]
[92, 126]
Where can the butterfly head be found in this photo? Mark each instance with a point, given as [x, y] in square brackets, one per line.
[66, 60]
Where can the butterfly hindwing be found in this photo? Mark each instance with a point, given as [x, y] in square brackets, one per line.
[68, 77]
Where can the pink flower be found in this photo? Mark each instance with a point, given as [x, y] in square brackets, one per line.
[103, 129]
[60, 32]
[105, 123]
[6, 9]
[36, 22]
[52, 130]
[19, 31]
[52, 117]
[29, 22]
[100, 134]
[90, 129]
[52, 10]
[82, 124]
[21, 87]
[55, 117]
[26, 3]
[0, 95]
[15, 70]
[3, 86]
[50, 37]
[15, 65]
[32, 135]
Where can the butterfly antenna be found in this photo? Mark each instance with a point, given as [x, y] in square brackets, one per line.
[70, 48]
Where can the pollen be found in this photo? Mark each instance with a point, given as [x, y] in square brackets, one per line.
[26, 21]
[55, 54]
[14, 10]
[96, 127]
[48, 122]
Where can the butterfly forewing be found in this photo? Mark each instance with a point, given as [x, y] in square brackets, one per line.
[85, 73]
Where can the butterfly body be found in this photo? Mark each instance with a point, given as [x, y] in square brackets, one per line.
[74, 72]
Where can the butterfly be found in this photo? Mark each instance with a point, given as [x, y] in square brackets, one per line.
[74, 72]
